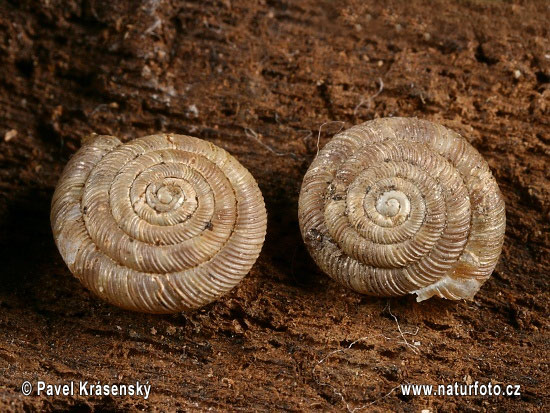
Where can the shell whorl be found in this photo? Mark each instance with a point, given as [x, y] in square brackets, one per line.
[401, 205]
[161, 224]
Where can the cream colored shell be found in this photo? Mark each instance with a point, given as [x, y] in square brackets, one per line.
[161, 224]
[402, 205]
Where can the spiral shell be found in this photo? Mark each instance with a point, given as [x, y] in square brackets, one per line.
[161, 224]
[402, 205]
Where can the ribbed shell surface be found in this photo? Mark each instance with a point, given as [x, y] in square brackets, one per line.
[401, 205]
[161, 224]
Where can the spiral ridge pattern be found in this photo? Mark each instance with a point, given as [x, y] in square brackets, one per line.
[161, 224]
[402, 205]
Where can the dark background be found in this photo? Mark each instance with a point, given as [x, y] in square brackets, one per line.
[259, 78]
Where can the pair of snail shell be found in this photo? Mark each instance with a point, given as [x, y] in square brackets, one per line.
[167, 223]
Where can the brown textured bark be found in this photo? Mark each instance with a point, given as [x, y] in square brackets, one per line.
[258, 78]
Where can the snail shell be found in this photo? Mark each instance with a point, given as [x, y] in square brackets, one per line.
[161, 224]
[402, 205]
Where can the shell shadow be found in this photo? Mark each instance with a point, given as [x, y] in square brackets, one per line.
[26, 242]
[284, 246]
